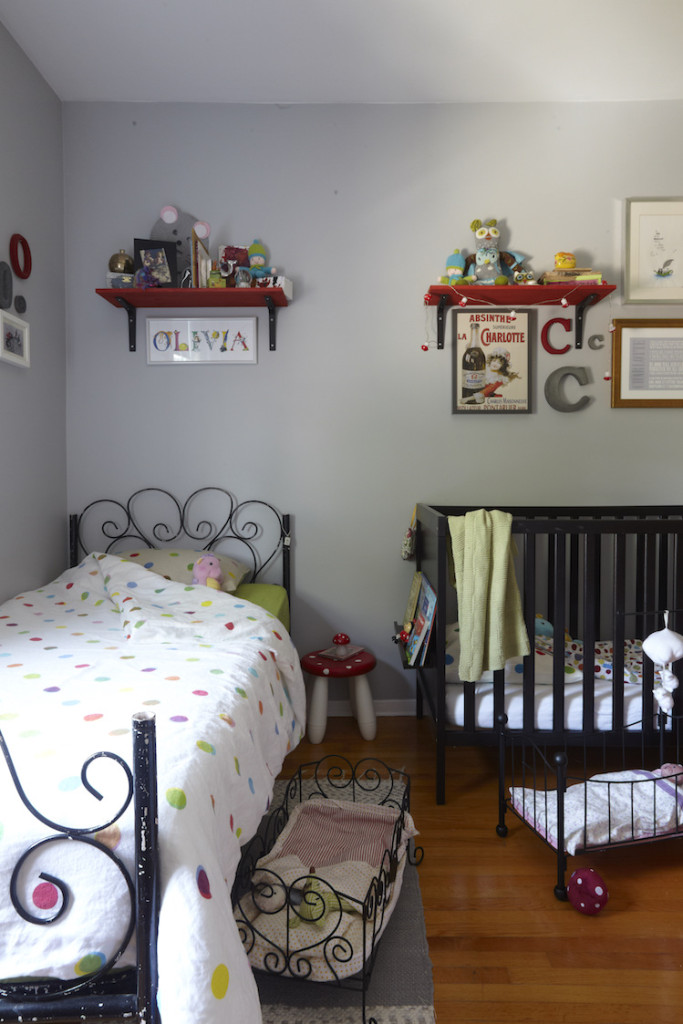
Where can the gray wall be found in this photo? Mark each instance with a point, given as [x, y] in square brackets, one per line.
[349, 422]
[32, 402]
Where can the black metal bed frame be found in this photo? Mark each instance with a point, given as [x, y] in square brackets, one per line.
[333, 777]
[573, 563]
[253, 530]
[132, 993]
[209, 518]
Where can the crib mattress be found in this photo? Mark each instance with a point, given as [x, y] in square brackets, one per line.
[543, 705]
[543, 678]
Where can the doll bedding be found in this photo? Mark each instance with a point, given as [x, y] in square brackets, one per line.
[609, 808]
[543, 678]
[326, 859]
[77, 659]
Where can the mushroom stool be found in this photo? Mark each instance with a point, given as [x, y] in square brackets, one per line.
[340, 662]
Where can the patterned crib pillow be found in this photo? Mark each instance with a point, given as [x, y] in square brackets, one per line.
[543, 660]
[604, 660]
[177, 564]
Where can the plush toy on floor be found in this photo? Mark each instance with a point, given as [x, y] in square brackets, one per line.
[207, 571]
[587, 892]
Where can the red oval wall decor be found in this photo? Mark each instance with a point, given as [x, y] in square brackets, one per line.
[20, 266]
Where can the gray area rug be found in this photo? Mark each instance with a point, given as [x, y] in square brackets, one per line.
[400, 989]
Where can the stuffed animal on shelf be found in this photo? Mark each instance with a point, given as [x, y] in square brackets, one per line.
[258, 258]
[489, 264]
[207, 571]
[455, 268]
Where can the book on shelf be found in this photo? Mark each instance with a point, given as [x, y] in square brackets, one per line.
[409, 613]
[574, 276]
[424, 620]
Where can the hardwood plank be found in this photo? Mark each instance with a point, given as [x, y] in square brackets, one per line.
[503, 947]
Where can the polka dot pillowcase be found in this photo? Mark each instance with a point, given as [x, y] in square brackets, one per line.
[177, 565]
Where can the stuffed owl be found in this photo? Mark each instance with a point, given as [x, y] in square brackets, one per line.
[484, 266]
[487, 257]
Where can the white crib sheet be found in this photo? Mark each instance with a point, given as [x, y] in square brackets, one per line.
[543, 705]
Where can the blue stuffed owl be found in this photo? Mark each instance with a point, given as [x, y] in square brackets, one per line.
[487, 269]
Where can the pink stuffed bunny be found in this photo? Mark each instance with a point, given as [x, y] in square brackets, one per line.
[207, 571]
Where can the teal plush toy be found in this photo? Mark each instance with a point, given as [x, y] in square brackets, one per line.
[455, 268]
[258, 258]
[542, 627]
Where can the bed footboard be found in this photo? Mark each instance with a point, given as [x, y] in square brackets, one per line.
[103, 993]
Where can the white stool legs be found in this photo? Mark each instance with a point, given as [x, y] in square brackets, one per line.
[362, 706]
[317, 710]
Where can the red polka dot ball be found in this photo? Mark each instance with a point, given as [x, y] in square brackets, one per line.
[587, 891]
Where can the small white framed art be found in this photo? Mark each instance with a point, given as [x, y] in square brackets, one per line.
[15, 341]
[175, 342]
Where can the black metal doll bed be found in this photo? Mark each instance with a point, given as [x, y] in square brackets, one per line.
[585, 801]
[599, 579]
[318, 883]
[228, 656]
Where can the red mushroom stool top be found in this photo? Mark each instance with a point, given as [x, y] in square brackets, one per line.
[319, 664]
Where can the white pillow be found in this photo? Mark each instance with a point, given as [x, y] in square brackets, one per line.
[177, 564]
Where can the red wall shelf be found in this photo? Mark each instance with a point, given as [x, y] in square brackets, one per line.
[516, 295]
[132, 299]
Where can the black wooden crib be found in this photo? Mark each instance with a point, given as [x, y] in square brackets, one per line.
[599, 579]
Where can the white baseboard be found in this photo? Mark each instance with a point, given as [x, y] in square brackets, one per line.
[383, 708]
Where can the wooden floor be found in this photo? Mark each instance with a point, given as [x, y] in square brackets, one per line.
[503, 948]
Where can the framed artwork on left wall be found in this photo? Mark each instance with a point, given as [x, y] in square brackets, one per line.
[15, 340]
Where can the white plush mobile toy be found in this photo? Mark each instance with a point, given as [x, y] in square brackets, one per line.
[664, 647]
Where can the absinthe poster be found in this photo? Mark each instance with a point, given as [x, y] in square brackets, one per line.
[491, 362]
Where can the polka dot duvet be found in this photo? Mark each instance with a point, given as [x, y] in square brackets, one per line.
[78, 658]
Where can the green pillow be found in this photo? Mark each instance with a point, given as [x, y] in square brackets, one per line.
[268, 596]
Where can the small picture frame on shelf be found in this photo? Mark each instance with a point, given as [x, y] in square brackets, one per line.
[15, 340]
[155, 263]
[201, 262]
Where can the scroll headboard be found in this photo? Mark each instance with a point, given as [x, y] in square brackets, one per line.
[252, 531]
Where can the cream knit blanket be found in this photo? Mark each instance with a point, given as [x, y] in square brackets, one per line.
[490, 615]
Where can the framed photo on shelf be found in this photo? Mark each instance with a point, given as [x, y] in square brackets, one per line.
[201, 262]
[15, 340]
[172, 341]
[654, 251]
[647, 364]
[158, 261]
[491, 363]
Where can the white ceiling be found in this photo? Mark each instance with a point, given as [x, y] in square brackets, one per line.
[353, 51]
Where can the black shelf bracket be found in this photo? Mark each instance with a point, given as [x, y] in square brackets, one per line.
[271, 322]
[131, 313]
[441, 320]
[581, 308]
